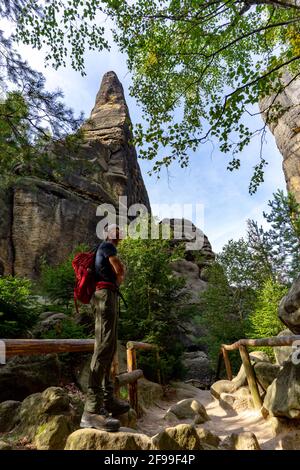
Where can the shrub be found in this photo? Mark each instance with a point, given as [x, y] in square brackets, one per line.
[224, 310]
[57, 282]
[154, 297]
[263, 321]
[67, 328]
[18, 312]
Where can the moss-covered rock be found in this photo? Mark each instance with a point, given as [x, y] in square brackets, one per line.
[93, 439]
[9, 415]
[46, 419]
[5, 445]
[181, 437]
[23, 376]
[283, 395]
[240, 441]
[266, 372]
[53, 434]
[207, 437]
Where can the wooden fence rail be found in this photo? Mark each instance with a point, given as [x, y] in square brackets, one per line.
[241, 345]
[132, 347]
[27, 347]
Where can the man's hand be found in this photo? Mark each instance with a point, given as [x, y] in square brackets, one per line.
[118, 268]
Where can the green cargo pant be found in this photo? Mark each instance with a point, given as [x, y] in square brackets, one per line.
[100, 386]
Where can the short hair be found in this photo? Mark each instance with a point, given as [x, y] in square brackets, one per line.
[112, 228]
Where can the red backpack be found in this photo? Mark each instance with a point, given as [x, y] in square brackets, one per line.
[85, 284]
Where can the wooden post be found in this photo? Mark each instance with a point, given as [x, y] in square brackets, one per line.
[227, 363]
[132, 388]
[129, 377]
[250, 374]
[220, 358]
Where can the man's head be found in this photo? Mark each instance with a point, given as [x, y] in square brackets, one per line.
[112, 233]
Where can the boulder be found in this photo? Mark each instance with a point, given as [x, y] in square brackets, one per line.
[291, 441]
[180, 437]
[45, 315]
[9, 415]
[222, 386]
[52, 322]
[129, 419]
[207, 437]
[197, 367]
[242, 400]
[283, 395]
[266, 372]
[22, 376]
[282, 353]
[149, 393]
[240, 441]
[190, 272]
[46, 419]
[279, 425]
[53, 434]
[171, 418]
[5, 445]
[93, 439]
[230, 386]
[183, 390]
[227, 400]
[189, 409]
[289, 308]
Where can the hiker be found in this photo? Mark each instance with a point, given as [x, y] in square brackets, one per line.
[100, 400]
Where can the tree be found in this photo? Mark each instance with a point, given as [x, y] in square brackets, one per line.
[240, 266]
[24, 151]
[30, 116]
[223, 312]
[266, 253]
[210, 59]
[263, 321]
[155, 302]
[17, 310]
[284, 235]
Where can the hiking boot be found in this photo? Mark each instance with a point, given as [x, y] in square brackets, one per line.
[115, 406]
[101, 421]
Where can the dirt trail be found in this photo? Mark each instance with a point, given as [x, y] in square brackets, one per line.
[222, 423]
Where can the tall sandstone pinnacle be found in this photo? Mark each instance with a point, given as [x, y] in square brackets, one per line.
[110, 124]
[286, 130]
[40, 217]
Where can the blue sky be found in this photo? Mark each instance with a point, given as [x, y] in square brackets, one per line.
[224, 195]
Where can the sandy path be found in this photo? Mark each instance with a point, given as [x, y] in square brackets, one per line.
[222, 422]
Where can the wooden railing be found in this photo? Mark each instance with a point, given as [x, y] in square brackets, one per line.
[26, 347]
[132, 347]
[241, 345]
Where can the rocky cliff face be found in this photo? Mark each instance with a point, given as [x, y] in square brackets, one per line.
[49, 218]
[286, 130]
[42, 217]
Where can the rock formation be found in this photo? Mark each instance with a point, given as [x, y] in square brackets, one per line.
[41, 217]
[286, 130]
[289, 308]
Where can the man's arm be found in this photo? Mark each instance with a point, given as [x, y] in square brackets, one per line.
[118, 268]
